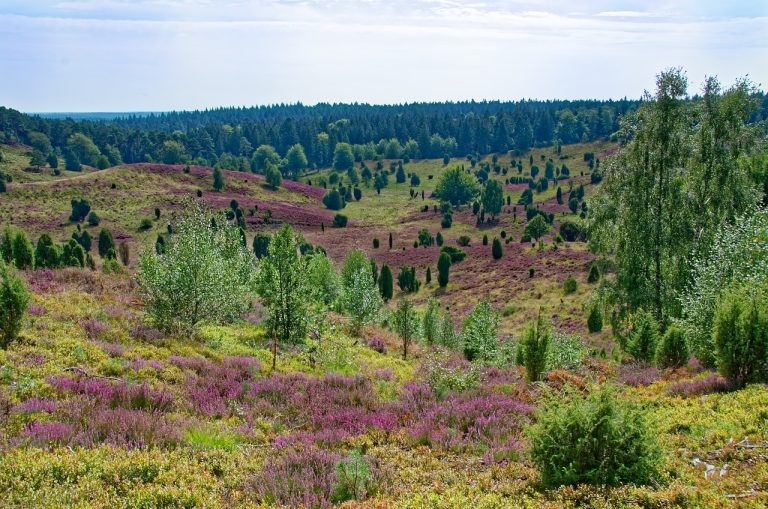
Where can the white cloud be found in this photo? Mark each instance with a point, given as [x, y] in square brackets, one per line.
[162, 54]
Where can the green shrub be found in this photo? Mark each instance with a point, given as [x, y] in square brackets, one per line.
[672, 351]
[407, 280]
[485, 239]
[463, 240]
[333, 200]
[535, 344]
[598, 439]
[595, 320]
[93, 219]
[23, 252]
[443, 269]
[14, 299]
[456, 255]
[570, 285]
[644, 336]
[480, 333]
[740, 334]
[353, 478]
[565, 351]
[594, 274]
[375, 243]
[339, 221]
[145, 224]
[496, 250]
[47, 254]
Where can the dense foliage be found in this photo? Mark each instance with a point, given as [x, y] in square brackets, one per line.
[598, 439]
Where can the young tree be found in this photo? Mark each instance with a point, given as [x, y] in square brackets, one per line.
[273, 176]
[218, 179]
[14, 299]
[205, 274]
[360, 298]
[323, 281]
[73, 254]
[430, 322]
[407, 280]
[480, 333]
[355, 260]
[406, 323]
[493, 198]
[536, 227]
[6, 245]
[535, 344]
[443, 269]
[595, 320]
[386, 285]
[447, 336]
[672, 351]
[333, 200]
[282, 285]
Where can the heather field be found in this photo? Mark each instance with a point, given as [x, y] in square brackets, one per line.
[100, 409]
[104, 404]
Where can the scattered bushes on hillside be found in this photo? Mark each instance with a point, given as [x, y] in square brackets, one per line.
[457, 186]
[598, 439]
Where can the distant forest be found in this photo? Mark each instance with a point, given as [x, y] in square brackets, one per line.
[229, 137]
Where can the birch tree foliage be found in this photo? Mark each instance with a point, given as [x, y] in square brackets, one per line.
[205, 273]
[739, 253]
[361, 299]
[283, 287]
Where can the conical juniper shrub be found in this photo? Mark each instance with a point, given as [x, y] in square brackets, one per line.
[595, 439]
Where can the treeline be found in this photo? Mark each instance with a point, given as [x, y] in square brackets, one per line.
[229, 136]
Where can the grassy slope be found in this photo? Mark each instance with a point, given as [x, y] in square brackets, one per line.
[44, 205]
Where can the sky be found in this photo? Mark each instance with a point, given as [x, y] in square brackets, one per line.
[160, 55]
